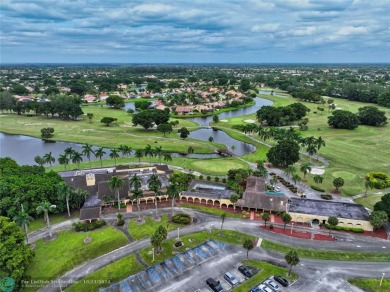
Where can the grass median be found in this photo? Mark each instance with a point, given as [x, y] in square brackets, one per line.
[54, 258]
[328, 254]
[191, 241]
[371, 284]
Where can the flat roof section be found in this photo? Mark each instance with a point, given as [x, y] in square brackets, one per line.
[328, 208]
[90, 213]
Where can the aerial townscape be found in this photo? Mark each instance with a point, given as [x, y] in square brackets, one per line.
[152, 146]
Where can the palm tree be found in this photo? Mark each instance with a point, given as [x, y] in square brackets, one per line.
[135, 186]
[155, 184]
[149, 151]
[69, 152]
[190, 150]
[296, 178]
[63, 190]
[211, 139]
[305, 168]
[223, 217]
[77, 157]
[87, 151]
[45, 207]
[63, 160]
[114, 154]
[115, 184]
[99, 153]
[159, 152]
[139, 154]
[311, 150]
[368, 184]
[23, 220]
[167, 156]
[173, 192]
[290, 171]
[292, 259]
[126, 150]
[48, 158]
[39, 160]
[248, 245]
[319, 143]
[318, 179]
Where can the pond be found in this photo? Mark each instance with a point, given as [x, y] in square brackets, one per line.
[23, 149]
[259, 102]
[233, 145]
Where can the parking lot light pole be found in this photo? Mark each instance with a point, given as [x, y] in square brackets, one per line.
[153, 254]
[292, 226]
[380, 284]
[178, 234]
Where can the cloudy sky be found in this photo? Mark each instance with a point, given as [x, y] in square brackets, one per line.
[195, 31]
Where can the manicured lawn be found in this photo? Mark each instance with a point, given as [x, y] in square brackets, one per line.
[38, 223]
[210, 210]
[112, 273]
[328, 254]
[371, 284]
[208, 166]
[369, 201]
[54, 258]
[266, 270]
[96, 133]
[347, 150]
[229, 236]
[149, 227]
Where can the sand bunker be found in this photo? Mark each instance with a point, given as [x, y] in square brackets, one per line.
[316, 170]
[250, 121]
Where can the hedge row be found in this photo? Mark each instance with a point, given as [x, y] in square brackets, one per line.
[181, 218]
[79, 226]
[316, 188]
[352, 229]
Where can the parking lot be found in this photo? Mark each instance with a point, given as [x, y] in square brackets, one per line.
[194, 280]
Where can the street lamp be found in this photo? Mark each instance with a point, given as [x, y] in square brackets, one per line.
[178, 234]
[270, 209]
[292, 226]
[153, 254]
[380, 284]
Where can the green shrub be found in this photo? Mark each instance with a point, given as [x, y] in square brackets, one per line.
[342, 228]
[327, 196]
[316, 188]
[79, 226]
[121, 222]
[271, 226]
[216, 179]
[201, 177]
[208, 178]
[181, 218]
[224, 180]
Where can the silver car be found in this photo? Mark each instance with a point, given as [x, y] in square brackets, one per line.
[231, 279]
[272, 284]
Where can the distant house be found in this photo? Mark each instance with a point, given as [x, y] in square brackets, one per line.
[89, 98]
[121, 86]
[182, 110]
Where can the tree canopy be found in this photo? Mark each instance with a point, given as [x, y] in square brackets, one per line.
[383, 205]
[148, 118]
[285, 153]
[15, 255]
[115, 101]
[341, 119]
[371, 116]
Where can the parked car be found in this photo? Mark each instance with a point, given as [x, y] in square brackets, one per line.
[272, 284]
[281, 280]
[245, 271]
[230, 278]
[256, 289]
[265, 288]
[214, 285]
